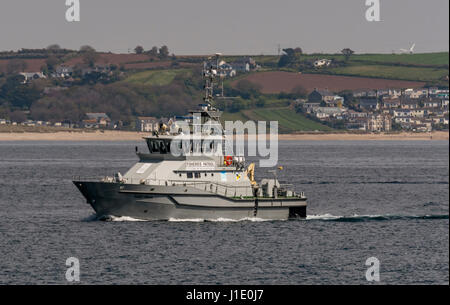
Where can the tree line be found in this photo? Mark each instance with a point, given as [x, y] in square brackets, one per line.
[292, 57]
[120, 100]
[162, 52]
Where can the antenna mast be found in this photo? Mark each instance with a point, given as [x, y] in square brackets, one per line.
[210, 71]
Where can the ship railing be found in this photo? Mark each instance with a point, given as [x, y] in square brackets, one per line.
[90, 179]
[207, 186]
[211, 186]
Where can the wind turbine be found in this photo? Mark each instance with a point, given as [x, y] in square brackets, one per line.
[410, 51]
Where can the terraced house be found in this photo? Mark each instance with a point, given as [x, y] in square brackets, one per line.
[379, 122]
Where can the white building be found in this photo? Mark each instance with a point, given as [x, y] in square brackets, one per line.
[416, 93]
[63, 71]
[379, 122]
[147, 124]
[31, 76]
[322, 63]
[329, 112]
[227, 70]
[401, 113]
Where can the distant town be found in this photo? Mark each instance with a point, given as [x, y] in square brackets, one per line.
[418, 110]
[146, 90]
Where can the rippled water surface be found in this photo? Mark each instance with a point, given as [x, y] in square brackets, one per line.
[383, 199]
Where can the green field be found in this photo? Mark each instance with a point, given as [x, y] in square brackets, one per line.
[392, 72]
[427, 67]
[429, 59]
[156, 77]
[420, 59]
[288, 119]
[234, 116]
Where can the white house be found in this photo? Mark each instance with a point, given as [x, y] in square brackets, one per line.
[416, 93]
[227, 70]
[440, 120]
[379, 122]
[147, 124]
[322, 63]
[31, 75]
[63, 71]
[399, 113]
[407, 119]
[395, 93]
[327, 112]
[432, 103]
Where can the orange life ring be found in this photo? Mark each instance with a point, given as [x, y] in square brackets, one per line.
[228, 160]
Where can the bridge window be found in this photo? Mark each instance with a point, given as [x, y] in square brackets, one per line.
[161, 146]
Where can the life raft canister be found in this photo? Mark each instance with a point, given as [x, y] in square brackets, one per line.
[228, 160]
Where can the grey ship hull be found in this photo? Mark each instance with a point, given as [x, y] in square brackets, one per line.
[181, 202]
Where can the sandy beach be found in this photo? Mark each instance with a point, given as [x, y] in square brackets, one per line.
[110, 135]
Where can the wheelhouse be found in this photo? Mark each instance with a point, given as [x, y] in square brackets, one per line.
[191, 145]
[158, 146]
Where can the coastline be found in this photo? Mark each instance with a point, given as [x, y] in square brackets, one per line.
[113, 135]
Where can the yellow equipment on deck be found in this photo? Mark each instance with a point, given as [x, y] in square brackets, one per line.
[250, 172]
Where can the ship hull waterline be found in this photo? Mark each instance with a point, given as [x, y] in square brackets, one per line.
[148, 202]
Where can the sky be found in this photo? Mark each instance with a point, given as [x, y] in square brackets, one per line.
[190, 27]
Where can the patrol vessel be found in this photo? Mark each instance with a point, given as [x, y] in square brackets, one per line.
[178, 179]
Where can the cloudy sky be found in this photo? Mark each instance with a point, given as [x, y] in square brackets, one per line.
[230, 27]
